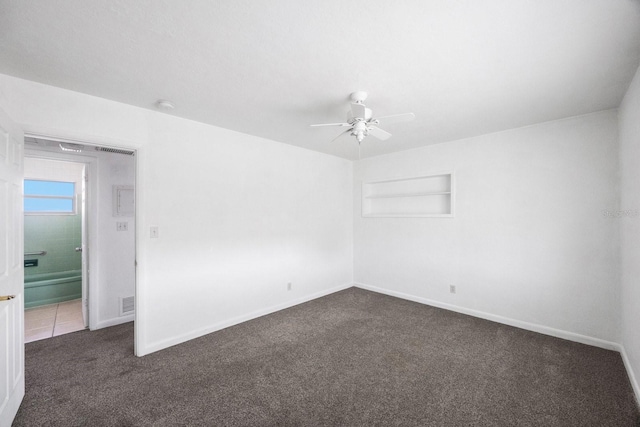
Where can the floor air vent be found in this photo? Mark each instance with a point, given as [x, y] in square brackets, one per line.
[127, 305]
[116, 150]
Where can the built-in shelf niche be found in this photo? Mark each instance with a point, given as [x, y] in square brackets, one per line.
[419, 196]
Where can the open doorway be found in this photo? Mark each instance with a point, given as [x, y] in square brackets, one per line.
[54, 217]
[79, 247]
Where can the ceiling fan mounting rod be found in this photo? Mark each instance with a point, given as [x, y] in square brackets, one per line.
[359, 96]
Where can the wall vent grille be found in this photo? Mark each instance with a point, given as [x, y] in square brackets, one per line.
[116, 150]
[127, 305]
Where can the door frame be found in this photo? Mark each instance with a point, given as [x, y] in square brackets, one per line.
[90, 235]
[93, 226]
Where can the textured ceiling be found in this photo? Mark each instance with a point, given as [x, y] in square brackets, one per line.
[272, 68]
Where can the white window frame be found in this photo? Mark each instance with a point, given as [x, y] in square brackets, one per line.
[73, 198]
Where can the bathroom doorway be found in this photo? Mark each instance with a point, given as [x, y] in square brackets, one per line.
[55, 291]
[79, 256]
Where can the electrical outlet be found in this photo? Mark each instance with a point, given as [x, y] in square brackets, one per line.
[122, 226]
[452, 289]
[289, 286]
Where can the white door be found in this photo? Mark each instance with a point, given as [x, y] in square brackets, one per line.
[11, 271]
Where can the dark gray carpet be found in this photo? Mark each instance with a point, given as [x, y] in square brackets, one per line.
[351, 358]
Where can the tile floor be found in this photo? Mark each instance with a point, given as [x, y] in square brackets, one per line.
[52, 320]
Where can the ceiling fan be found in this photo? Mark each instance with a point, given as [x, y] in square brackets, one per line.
[361, 123]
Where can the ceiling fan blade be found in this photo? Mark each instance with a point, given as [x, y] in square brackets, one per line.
[342, 133]
[331, 124]
[359, 111]
[379, 133]
[395, 118]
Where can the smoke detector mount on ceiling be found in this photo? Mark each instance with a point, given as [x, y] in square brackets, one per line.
[165, 105]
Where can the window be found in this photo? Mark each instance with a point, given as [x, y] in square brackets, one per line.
[49, 197]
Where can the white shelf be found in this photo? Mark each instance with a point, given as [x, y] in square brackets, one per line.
[395, 215]
[412, 197]
[389, 196]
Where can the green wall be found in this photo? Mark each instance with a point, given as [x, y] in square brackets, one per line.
[59, 235]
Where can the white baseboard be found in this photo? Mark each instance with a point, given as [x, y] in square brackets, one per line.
[632, 377]
[160, 345]
[113, 322]
[571, 336]
[558, 333]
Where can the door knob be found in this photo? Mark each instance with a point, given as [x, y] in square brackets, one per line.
[7, 297]
[79, 249]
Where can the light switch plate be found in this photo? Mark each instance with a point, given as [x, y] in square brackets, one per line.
[154, 233]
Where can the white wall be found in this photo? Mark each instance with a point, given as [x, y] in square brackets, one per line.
[629, 221]
[238, 220]
[239, 216]
[529, 244]
[116, 249]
